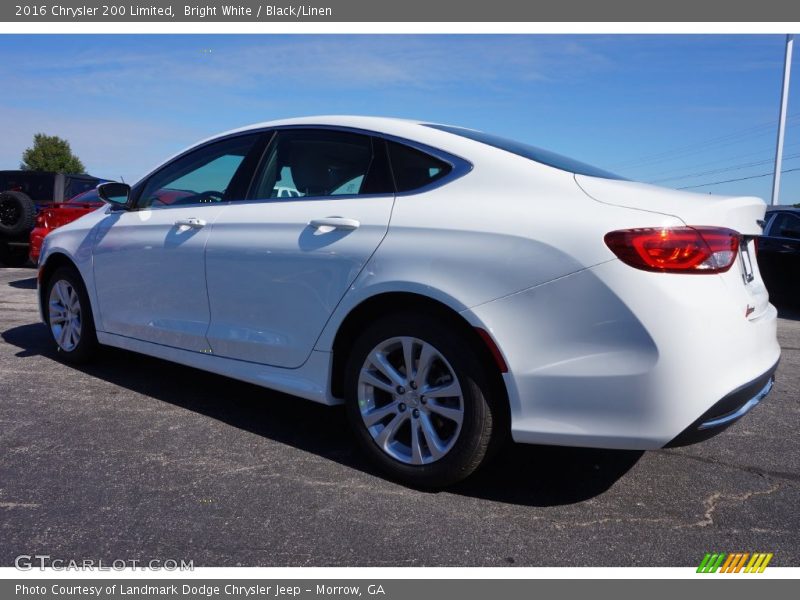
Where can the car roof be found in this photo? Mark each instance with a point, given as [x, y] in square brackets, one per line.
[783, 208]
[415, 130]
[380, 124]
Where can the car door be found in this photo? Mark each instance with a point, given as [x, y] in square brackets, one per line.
[149, 262]
[278, 263]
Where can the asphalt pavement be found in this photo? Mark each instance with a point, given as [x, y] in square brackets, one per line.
[134, 458]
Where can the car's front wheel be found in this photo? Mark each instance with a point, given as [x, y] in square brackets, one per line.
[69, 316]
[420, 401]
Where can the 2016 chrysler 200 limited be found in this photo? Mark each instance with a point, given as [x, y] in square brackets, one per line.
[448, 286]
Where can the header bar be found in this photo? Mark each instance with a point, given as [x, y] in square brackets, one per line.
[408, 11]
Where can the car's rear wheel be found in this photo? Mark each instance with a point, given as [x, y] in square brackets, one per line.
[69, 316]
[419, 400]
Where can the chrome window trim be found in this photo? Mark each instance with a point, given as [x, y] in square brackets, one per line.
[459, 166]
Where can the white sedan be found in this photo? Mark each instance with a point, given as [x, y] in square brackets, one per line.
[448, 286]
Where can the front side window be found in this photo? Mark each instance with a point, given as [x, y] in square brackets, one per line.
[317, 163]
[201, 177]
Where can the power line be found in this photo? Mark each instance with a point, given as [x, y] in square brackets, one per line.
[689, 187]
[680, 170]
[696, 147]
[738, 167]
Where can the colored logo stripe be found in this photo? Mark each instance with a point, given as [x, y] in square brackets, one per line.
[733, 563]
[711, 562]
[758, 563]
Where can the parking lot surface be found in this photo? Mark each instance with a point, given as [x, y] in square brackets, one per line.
[133, 458]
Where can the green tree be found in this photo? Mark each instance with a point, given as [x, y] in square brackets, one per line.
[50, 153]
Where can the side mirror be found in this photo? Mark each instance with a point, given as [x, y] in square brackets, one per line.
[116, 194]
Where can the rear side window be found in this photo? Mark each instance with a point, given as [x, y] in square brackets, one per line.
[414, 169]
[533, 153]
[320, 163]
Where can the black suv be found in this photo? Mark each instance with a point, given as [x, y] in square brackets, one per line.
[22, 195]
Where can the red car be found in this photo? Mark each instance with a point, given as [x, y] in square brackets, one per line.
[58, 215]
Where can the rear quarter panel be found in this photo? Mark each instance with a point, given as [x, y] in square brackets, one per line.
[508, 225]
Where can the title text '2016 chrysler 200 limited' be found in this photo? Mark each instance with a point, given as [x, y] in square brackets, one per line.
[448, 286]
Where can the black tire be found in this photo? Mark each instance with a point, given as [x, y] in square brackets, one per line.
[17, 213]
[481, 424]
[13, 256]
[86, 346]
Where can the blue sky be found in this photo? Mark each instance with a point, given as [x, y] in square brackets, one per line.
[652, 108]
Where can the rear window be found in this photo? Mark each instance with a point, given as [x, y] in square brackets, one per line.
[413, 169]
[38, 186]
[533, 153]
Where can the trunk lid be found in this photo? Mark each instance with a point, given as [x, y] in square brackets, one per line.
[740, 213]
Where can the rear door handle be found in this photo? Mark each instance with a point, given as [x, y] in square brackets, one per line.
[191, 223]
[335, 223]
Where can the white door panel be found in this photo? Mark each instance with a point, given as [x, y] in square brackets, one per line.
[150, 274]
[274, 279]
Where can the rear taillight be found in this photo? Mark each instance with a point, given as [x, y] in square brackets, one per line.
[676, 249]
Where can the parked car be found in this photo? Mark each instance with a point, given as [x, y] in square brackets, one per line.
[448, 286]
[54, 216]
[779, 253]
[23, 194]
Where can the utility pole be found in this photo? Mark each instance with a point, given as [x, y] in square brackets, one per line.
[787, 71]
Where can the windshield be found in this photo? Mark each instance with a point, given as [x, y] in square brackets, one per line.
[530, 152]
[76, 186]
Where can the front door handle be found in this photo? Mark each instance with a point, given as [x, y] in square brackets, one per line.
[190, 223]
[335, 223]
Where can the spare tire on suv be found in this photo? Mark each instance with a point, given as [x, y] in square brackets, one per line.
[17, 213]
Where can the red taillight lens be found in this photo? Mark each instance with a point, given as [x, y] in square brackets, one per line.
[676, 249]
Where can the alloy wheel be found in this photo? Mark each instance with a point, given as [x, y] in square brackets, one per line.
[410, 400]
[64, 310]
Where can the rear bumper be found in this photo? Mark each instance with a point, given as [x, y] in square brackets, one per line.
[613, 357]
[727, 411]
